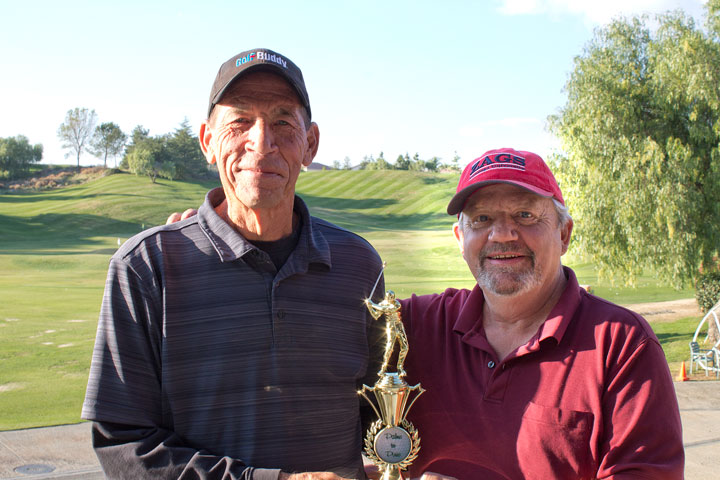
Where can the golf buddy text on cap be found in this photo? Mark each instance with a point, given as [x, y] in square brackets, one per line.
[505, 165]
[254, 60]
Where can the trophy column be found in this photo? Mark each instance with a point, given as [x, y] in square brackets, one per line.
[392, 442]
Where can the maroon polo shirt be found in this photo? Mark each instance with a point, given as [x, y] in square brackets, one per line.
[589, 396]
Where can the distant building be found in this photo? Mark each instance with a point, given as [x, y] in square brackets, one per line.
[317, 166]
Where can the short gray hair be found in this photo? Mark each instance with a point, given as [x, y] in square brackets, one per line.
[562, 212]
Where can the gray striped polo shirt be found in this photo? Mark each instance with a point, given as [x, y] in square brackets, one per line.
[199, 334]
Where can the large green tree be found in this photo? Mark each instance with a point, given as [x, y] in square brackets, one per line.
[16, 156]
[107, 141]
[640, 134]
[184, 151]
[76, 131]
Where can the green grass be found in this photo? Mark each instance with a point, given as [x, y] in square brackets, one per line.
[674, 338]
[54, 252]
[55, 245]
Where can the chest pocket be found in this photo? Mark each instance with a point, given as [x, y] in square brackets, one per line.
[555, 443]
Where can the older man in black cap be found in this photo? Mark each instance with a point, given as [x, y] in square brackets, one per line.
[230, 344]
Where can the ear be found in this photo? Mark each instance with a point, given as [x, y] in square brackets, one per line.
[459, 237]
[565, 235]
[313, 139]
[205, 138]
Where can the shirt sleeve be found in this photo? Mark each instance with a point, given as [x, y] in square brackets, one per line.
[124, 386]
[643, 431]
[127, 452]
[131, 435]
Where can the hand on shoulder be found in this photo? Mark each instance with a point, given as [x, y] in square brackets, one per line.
[176, 217]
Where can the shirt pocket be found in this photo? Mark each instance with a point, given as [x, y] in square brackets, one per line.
[555, 443]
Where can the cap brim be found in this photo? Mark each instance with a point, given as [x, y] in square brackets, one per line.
[457, 203]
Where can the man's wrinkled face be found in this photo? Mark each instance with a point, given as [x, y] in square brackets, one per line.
[511, 239]
[259, 137]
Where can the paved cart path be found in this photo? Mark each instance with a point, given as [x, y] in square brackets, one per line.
[64, 452]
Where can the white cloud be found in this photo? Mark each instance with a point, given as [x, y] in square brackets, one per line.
[597, 11]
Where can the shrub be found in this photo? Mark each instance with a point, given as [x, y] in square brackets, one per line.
[707, 290]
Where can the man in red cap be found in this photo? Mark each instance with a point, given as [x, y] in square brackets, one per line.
[528, 375]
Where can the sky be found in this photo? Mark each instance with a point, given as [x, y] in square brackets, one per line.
[392, 76]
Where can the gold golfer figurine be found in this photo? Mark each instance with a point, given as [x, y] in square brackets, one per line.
[392, 442]
[394, 330]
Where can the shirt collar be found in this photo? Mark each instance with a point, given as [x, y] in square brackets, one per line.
[562, 313]
[469, 321]
[230, 245]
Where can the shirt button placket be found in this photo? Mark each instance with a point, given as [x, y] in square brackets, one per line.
[498, 381]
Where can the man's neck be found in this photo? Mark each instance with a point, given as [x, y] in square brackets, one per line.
[265, 225]
[511, 320]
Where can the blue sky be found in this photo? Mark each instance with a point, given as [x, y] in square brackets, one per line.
[393, 76]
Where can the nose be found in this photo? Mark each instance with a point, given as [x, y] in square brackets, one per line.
[503, 230]
[260, 138]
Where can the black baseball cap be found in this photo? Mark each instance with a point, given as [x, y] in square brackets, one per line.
[254, 60]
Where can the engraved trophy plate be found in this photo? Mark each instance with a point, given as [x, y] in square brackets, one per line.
[392, 442]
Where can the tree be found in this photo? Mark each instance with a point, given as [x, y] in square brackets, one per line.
[417, 164]
[16, 156]
[433, 164]
[402, 162]
[149, 157]
[183, 149]
[141, 161]
[455, 163]
[640, 134]
[367, 163]
[176, 155]
[107, 141]
[371, 163]
[137, 136]
[712, 19]
[76, 131]
[381, 163]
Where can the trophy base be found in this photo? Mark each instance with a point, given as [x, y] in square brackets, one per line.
[391, 472]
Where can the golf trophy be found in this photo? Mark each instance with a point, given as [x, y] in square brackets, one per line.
[392, 442]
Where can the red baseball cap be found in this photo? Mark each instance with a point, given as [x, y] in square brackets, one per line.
[505, 165]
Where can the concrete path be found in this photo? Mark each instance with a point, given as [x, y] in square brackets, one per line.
[64, 452]
[700, 411]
